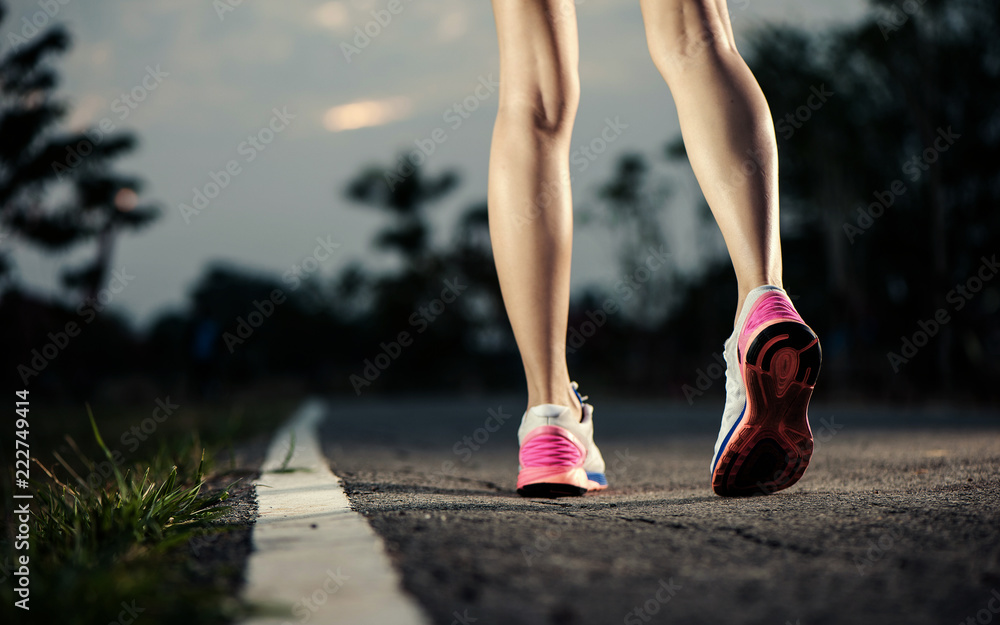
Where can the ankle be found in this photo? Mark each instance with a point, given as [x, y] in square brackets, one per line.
[744, 290]
[567, 398]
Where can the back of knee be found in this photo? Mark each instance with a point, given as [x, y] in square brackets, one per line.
[546, 111]
[689, 35]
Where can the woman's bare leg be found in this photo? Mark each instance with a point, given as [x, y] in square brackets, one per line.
[730, 142]
[530, 204]
[727, 130]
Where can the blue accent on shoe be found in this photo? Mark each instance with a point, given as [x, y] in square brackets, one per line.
[597, 477]
[722, 447]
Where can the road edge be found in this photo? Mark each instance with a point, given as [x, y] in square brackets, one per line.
[315, 559]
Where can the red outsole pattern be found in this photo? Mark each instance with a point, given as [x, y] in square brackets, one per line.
[770, 449]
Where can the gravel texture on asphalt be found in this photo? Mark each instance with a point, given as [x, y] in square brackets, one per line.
[896, 520]
[219, 557]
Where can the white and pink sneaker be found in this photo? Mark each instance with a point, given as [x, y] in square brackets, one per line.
[772, 362]
[557, 455]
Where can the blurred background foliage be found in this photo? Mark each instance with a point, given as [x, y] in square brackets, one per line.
[864, 261]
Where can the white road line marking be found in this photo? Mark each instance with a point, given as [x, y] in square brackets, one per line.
[315, 560]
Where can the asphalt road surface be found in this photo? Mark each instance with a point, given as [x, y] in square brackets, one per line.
[897, 519]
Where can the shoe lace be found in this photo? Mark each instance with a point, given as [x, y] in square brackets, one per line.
[582, 399]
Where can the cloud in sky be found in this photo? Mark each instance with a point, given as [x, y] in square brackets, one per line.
[366, 113]
[334, 16]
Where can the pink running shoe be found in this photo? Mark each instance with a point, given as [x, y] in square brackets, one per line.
[558, 456]
[772, 362]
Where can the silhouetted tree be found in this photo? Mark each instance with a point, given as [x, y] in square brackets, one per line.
[406, 194]
[891, 182]
[36, 158]
[633, 201]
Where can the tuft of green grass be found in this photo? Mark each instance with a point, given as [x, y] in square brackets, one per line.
[289, 453]
[108, 534]
[79, 522]
[284, 468]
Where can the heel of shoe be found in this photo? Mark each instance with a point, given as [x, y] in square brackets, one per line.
[551, 446]
[551, 464]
